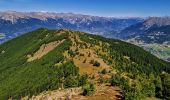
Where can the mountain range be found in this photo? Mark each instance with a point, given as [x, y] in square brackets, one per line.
[123, 28]
[21, 22]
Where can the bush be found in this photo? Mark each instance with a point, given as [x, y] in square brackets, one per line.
[89, 89]
[81, 54]
[84, 61]
[95, 63]
[83, 80]
[115, 80]
[104, 71]
[72, 53]
[92, 62]
[71, 81]
[101, 80]
[166, 86]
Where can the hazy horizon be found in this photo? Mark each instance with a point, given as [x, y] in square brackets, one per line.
[105, 8]
[82, 14]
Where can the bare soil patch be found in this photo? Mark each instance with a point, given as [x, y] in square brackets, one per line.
[44, 49]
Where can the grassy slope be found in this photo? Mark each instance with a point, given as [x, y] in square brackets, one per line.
[20, 78]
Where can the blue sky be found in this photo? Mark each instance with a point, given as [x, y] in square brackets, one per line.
[124, 8]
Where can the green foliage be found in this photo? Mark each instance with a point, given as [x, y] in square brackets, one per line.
[145, 62]
[142, 68]
[158, 87]
[104, 71]
[83, 80]
[71, 81]
[21, 78]
[89, 89]
[72, 53]
[166, 85]
[101, 80]
[69, 73]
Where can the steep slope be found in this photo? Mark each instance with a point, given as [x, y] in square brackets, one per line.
[21, 22]
[45, 60]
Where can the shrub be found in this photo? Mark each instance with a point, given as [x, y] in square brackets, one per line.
[72, 53]
[101, 80]
[166, 86]
[71, 81]
[89, 89]
[83, 80]
[81, 54]
[84, 61]
[92, 62]
[104, 71]
[95, 63]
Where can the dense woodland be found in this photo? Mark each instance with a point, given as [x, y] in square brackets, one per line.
[147, 76]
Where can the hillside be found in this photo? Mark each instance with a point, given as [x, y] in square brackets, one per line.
[94, 66]
[153, 31]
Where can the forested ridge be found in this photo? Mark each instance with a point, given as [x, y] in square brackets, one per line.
[139, 74]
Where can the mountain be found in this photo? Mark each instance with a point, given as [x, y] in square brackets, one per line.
[66, 64]
[21, 22]
[159, 35]
[152, 30]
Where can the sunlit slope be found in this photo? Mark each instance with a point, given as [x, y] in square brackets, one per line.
[51, 59]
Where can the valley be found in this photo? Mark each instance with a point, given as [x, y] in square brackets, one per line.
[161, 51]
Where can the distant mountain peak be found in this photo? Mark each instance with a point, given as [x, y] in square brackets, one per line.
[43, 15]
[159, 21]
